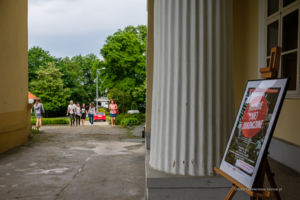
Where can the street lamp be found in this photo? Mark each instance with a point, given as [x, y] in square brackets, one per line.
[97, 87]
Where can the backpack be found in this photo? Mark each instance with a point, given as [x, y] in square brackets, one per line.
[42, 110]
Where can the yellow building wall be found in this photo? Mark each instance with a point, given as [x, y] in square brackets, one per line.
[14, 112]
[245, 59]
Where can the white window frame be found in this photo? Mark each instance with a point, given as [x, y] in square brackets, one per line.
[264, 21]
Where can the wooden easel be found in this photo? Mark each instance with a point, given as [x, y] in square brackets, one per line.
[268, 72]
[261, 191]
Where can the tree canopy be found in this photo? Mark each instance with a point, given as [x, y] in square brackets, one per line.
[49, 87]
[125, 61]
[37, 57]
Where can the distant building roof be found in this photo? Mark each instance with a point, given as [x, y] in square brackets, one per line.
[31, 96]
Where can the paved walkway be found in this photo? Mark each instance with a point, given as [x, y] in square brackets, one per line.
[65, 162]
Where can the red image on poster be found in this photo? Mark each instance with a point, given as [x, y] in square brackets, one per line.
[254, 116]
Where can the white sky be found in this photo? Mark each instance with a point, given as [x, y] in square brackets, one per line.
[73, 27]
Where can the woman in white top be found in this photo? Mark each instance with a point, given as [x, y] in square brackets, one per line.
[91, 113]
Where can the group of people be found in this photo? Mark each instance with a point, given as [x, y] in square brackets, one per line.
[77, 113]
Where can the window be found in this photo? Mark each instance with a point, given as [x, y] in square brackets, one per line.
[282, 29]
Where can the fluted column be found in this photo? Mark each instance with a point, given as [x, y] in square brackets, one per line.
[192, 103]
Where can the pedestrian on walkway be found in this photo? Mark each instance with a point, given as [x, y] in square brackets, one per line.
[113, 112]
[78, 114]
[83, 114]
[91, 113]
[72, 110]
[38, 110]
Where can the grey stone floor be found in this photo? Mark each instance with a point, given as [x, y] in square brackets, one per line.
[287, 180]
[74, 163]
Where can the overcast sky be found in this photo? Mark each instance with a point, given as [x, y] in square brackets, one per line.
[73, 27]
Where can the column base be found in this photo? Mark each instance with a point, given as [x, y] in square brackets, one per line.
[161, 186]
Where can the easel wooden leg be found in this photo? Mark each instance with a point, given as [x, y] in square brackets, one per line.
[271, 181]
[231, 192]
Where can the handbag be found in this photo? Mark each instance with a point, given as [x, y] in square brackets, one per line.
[117, 111]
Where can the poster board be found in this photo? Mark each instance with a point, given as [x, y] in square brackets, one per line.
[253, 129]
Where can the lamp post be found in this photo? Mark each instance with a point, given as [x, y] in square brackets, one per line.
[97, 87]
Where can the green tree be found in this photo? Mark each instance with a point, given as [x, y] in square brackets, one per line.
[37, 57]
[71, 76]
[49, 87]
[86, 63]
[123, 99]
[134, 106]
[124, 55]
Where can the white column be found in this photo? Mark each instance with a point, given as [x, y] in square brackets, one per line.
[192, 105]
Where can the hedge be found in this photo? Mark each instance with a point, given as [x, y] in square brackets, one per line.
[140, 117]
[130, 121]
[52, 121]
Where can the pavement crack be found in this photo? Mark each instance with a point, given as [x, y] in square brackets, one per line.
[78, 171]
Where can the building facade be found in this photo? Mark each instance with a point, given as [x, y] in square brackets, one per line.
[15, 110]
[200, 55]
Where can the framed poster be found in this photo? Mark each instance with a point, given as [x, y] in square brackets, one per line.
[253, 129]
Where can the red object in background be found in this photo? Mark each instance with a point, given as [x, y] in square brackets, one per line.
[254, 116]
[99, 116]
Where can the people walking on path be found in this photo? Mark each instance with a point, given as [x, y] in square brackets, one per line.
[91, 113]
[78, 114]
[83, 114]
[72, 110]
[113, 112]
[38, 110]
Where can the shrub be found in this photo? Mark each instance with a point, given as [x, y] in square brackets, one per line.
[108, 119]
[128, 119]
[119, 118]
[52, 121]
[101, 110]
[134, 106]
[130, 122]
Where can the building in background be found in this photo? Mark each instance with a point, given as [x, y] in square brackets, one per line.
[103, 102]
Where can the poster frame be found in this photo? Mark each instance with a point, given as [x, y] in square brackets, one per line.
[269, 133]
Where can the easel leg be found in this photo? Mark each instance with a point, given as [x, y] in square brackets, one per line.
[231, 192]
[271, 181]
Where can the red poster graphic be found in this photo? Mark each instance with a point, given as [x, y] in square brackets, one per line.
[254, 116]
